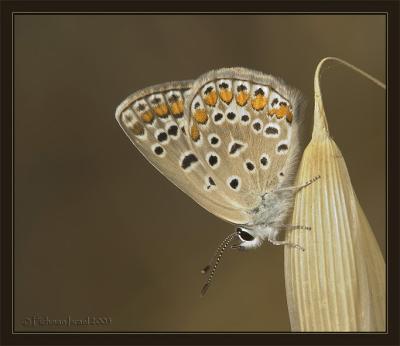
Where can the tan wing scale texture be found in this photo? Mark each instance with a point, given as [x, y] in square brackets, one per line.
[241, 128]
[155, 121]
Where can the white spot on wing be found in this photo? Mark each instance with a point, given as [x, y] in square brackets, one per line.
[140, 106]
[224, 81]
[264, 88]
[128, 117]
[241, 83]
[197, 103]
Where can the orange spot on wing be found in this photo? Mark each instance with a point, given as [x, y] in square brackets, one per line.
[138, 129]
[226, 95]
[282, 111]
[289, 116]
[161, 110]
[259, 102]
[211, 98]
[147, 117]
[241, 98]
[200, 116]
[177, 108]
[194, 133]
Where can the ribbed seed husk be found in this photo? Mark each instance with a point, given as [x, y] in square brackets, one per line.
[338, 283]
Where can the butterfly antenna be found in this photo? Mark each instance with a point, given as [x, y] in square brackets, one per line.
[221, 245]
[217, 257]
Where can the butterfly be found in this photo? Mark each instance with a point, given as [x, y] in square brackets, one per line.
[231, 141]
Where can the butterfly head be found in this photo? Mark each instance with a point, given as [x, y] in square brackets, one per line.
[249, 238]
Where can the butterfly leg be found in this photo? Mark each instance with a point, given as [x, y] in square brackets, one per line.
[307, 183]
[296, 189]
[287, 243]
[293, 227]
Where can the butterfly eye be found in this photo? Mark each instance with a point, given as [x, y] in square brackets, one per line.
[244, 235]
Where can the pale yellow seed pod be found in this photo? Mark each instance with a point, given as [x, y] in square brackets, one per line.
[338, 283]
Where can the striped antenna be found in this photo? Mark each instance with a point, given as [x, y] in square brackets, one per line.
[216, 259]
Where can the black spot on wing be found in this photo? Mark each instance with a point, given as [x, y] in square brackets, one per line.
[250, 166]
[188, 160]
[241, 87]
[158, 150]
[234, 183]
[208, 90]
[271, 130]
[173, 98]
[214, 140]
[128, 117]
[173, 130]
[141, 107]
[234, 148]
[218, 117]
[156, 100]
[264, 161]
[259, 91]
[211, 183]
[231, 116]
[245, 118]
[257, 126]
[162, 137]
[212, 160]
[282, 147]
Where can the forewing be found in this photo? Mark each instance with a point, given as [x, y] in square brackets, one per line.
[244, 126]
[155, 121]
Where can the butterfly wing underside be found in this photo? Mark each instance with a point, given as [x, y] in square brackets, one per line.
[244, 126]
[155, 121]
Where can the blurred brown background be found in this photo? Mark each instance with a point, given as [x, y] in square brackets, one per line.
[98, 231]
